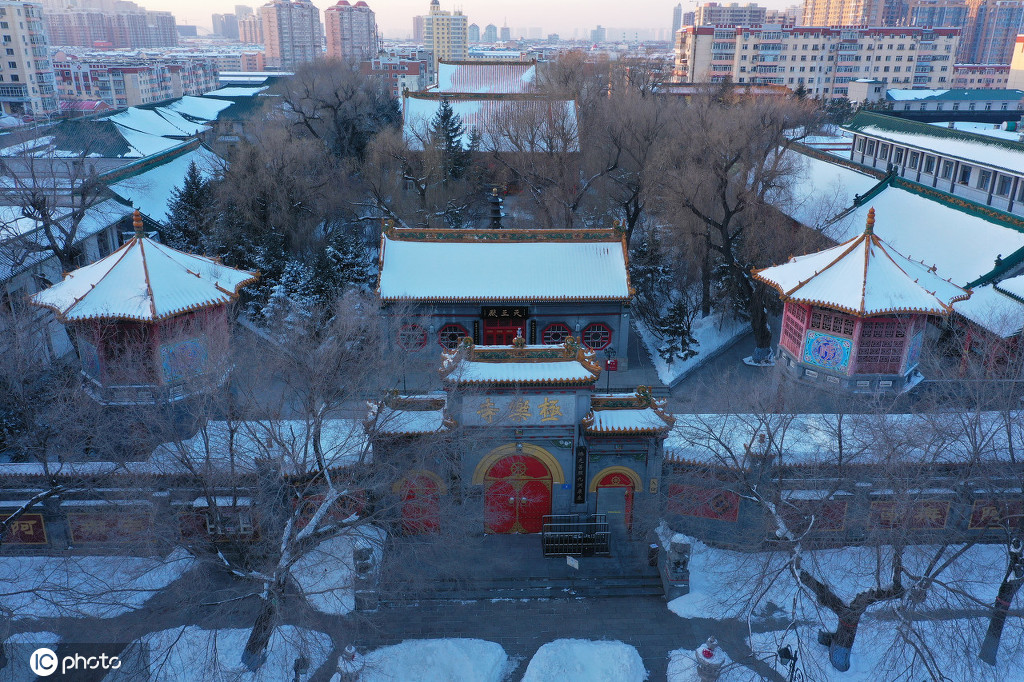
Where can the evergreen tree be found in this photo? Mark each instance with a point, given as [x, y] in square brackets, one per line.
[446, 133]
[192, 213]
[650, 276]
[676, 330]
[344, 263]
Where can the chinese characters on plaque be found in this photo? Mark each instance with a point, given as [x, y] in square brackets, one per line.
[533, 410]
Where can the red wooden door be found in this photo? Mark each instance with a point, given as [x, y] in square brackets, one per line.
[517, 495]
[420, 505]
[500, 333]
[617, 480]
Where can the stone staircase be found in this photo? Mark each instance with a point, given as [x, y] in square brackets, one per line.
[529, 587]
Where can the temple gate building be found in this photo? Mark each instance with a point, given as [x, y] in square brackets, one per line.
[855, 314]
[541, 441]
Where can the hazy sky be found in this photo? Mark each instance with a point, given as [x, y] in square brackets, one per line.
[552, 16]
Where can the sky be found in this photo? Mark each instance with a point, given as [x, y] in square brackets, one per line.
[552, 16]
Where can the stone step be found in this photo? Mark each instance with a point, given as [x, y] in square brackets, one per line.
[531, 587]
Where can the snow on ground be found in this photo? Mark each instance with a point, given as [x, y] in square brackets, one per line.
[437, 660]
[189, 653]
[85, 586]
[326, 573]
[19, 648]
[583, 660]
[722, 583]
[879, 653]
[712, 334]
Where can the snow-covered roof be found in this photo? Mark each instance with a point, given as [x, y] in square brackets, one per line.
[863, 276]
[488, 113]
[821, 189]
[187, 126]
[143, 280]
[145, 144]
[486, 76]
[809, 439]
[958, 144]
[568, 364]
[993, 310]
[979, 94]
[151, 190]
[236, 91]
[641, 420]
[908, 95]
[485, 265]
[407, 416]
[202, 108]
[148, 121]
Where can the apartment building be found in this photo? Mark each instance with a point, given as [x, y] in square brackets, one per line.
[130, 28]
[250, 30]
[992, 27]
[932, 13]
[398, 73]
[981, 76]
[852, 12]
[351, 30]
[26, 73]
[1016, 75]
[822, 60]
[712, 13]
[131, 81]
[445, 34]
[292, 33]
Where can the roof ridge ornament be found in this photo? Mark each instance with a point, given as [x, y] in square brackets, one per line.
[869, 228]
[137, 224]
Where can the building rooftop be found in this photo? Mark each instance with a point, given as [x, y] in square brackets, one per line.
[503, 265]
[864, 276]
[958, 94]
[567, 365]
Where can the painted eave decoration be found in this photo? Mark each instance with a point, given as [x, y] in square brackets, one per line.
[503, 265]
[143, 281]
[864, 277]
[569, 364]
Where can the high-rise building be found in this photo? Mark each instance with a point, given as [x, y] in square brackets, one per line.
[226, 25]
[445, 34]
[27, 83]
[243, 11]
[903, 57]
[506, 34]
[490, 34]
[351, 30]
[852, 12]
[418, 28]
[790, 16]
[292, 33]
[712, 13]
[124, 25]
[599, 34]
[992, 28]
[677, 18]
[473, 33]
[937, 13]
[250, 29]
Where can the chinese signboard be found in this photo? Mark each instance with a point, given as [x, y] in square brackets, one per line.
[526, 410]
[989, 513]
[506, 313]
[28, 529]
[113, 526]
[580, 476]
[924, 514]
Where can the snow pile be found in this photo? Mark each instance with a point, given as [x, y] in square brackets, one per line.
[85, 586]
[190, 653]
[713, 334]
[326, 574]
[438, 660]
[18, 649]
[582, 660]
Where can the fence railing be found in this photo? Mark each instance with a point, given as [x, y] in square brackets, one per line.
[575, 535]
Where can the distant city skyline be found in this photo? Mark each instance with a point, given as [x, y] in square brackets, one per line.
[395, 16]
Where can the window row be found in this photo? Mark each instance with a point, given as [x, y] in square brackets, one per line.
[596, 336]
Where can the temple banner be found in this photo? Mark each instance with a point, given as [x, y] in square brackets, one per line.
[108, 526]
[995, 513]
[921, 515]
[521, 410]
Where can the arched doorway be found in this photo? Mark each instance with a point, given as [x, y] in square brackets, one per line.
[614, 488]
[517, 495]
[420, 493]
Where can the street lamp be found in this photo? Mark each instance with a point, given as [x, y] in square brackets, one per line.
[609, 353]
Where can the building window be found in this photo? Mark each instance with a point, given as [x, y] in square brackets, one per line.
[965, 175]
[555, 334]
[412, 337]
[597, 336]
[947, 170]
[929, 164]
[897, 156]
[793, 327]
[832, 322]
[984, 177]
[914, 157]
[1003, 186]
[451, 335]
[881, 347]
